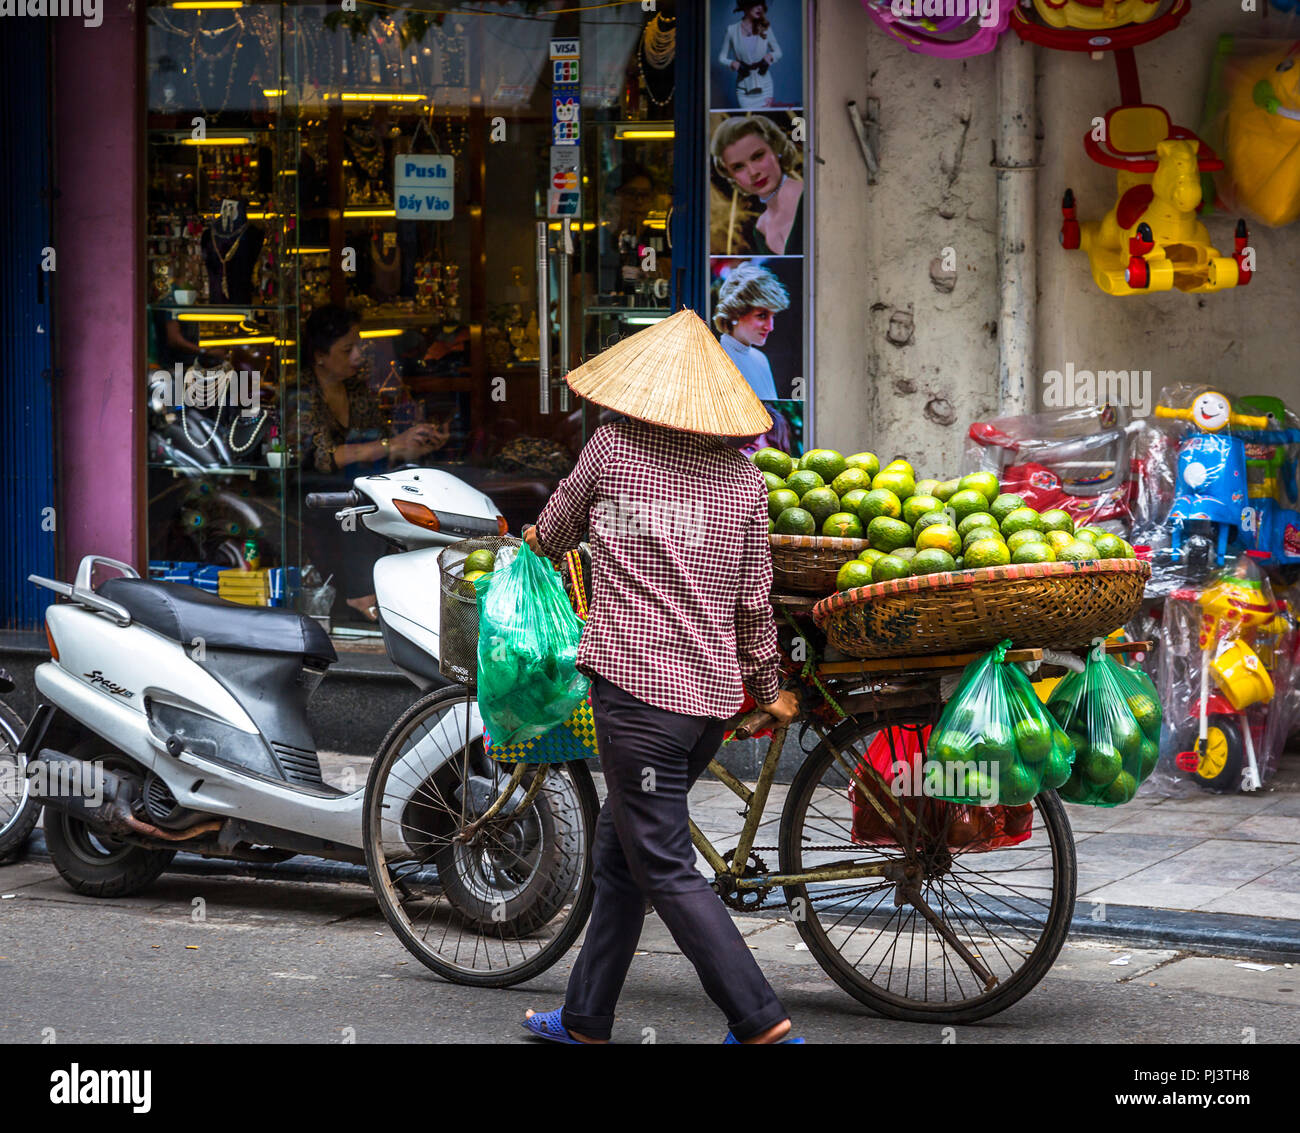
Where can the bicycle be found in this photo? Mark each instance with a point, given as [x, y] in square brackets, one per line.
[924, 925]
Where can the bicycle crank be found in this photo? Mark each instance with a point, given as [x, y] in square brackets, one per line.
[748, 899]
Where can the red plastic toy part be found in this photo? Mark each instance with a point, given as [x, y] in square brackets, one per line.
[1069, 222]
[1083, 39]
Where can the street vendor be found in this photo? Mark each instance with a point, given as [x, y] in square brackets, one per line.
[680, 627]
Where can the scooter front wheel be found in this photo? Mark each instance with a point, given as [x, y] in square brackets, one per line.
[488, 900]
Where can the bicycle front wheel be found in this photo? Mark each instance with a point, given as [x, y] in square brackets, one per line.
[488, 900]
[954, 927]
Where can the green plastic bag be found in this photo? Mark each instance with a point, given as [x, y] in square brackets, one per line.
[1112, 715]
[995, 743]
[527, 644]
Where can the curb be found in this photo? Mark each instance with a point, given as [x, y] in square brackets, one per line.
[1261, 938]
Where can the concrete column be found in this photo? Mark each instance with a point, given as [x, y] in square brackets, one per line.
[99, 295]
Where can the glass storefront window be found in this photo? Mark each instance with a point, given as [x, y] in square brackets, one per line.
[322, 327]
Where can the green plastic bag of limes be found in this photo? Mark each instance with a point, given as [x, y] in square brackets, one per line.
[995, 744]
[527, 646]
[1112, 715]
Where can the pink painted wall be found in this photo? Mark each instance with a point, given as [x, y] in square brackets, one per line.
[99, 321]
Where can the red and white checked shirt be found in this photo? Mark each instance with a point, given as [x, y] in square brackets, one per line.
[681, 567]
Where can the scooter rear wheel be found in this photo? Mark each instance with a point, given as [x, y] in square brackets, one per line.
[493, 909]
[18, 810]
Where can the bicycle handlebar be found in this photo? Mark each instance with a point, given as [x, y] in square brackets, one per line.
[755, 720]
[333, 501]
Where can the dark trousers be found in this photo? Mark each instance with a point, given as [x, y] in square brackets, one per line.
[642, 852]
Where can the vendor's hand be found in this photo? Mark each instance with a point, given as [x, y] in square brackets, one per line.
[438, 435]
[411, 444]
[784, 708]
[530, 537]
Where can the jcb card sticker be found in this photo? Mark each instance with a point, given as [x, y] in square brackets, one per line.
[424, 186]
[564, 191]
[566, 97]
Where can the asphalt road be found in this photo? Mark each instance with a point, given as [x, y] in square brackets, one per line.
[314, 963]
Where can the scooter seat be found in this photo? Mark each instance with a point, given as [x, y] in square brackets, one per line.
[184, 613]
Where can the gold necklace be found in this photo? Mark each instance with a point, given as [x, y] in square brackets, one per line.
[226, 257]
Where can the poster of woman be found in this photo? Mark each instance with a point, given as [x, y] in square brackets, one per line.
[756, 52]
[756, 187]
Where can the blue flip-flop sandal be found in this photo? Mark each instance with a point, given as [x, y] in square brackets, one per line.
[731, 1040]
[547, 1025]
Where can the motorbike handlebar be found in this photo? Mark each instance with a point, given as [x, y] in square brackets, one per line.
[334, 501]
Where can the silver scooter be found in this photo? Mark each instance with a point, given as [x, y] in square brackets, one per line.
[171, 719]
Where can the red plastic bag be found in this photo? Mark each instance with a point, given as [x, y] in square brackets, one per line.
[971, 829]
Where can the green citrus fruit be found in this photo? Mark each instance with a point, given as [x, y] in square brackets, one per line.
[944, 490]
[1020, 538]
[896, 481]
[986, 553]
[821, 504]
[852, 499]
[983, 482]
[827, 463]
[1057, 520]
[888, 534]
[1022, 519]
[916, 506]
[773, 460]
[482, 559]
[976, 519]
[1055, 771]
[850, 479]
[871, 554]
[471, 575]
[779, 500]
[1004, 505]
[804, 481]
[1077, 551]
[867, 461]
[967, 501]
[929, 519]
[959, 562]
[1123, 788]
[932, 560]
[1127, 549]
[889, 567]
[879, 501]
[907, 553]
[1087, 533]
[773, 481]
[975, 534]
[926, 487]
[795, 521]
[1033, 552]
[1150, 757]
[1033, 740]
[903, 465]
[842, 525]
[1017, 784]
[1109, 546]
[1058, 539]
[941, 536]
[853, 573]
[1101, 763]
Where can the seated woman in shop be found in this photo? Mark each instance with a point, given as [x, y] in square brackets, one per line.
[754, 155]
[350, 436]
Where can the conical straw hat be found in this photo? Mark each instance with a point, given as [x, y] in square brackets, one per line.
[674, 373]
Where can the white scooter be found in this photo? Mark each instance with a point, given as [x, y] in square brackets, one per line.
[172, 719]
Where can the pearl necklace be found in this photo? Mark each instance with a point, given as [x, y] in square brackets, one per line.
[773, 193]
[260, 420]
[216, 384]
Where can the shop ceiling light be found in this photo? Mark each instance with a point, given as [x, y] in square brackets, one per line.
[211, 317]
[274, 93]
[369, 212]
[379, 96]
[308, 251]
[199, 5]
[387, 332]
[644, 320]
[574, 226]
[636, 130]
[253, 340]
[217, 142]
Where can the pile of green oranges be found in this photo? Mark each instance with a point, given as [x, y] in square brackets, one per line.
[918, 526]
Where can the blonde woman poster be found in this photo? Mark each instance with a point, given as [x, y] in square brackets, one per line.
[757, 187]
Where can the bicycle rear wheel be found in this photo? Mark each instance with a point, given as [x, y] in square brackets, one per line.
[1008, 908]
[489, 904]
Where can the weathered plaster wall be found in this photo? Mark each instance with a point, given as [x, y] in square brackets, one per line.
[876, 244]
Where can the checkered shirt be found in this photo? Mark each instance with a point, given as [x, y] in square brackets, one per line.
[681, 567]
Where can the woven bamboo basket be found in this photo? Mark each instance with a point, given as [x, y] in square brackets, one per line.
[808, 564]
[1056, 605]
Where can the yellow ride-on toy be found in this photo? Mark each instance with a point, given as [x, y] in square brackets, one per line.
[1152, 240]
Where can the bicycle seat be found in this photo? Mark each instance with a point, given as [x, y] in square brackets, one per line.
[184, 613]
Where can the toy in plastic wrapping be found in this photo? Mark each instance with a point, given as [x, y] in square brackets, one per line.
[1112, 715]
[527, 646]
[1226, 676]
[994, 744]
[1074, 459]
[901, 751]
[968, 32]
[1253, 119]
